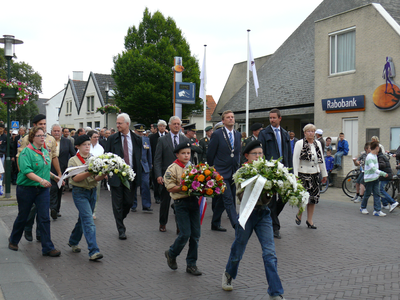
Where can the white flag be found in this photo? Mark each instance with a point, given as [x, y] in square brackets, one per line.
[203, 80]
[252, 67]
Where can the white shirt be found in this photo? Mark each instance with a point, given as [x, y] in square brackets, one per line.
[173, 138]
[129, 146]
[96, 150]
[233, 134]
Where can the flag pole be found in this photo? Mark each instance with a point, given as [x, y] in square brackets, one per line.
[247, 82]
[205, 92]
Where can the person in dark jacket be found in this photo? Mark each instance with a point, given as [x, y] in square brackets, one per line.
[384, 165]
[276, 144]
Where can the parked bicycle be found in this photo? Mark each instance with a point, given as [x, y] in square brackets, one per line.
[349, 182]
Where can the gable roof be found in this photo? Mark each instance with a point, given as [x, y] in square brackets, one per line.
[287, 77]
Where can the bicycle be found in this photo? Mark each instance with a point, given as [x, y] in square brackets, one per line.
[349, 184]
[323, 187]
[393, 187]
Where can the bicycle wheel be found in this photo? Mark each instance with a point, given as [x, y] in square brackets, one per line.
[354, 172]
[323, 188]
[349, 185]
[390, 189]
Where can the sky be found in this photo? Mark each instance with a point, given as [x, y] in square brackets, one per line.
[62, 37]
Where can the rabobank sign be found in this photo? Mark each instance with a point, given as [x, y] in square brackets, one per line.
[352, 103]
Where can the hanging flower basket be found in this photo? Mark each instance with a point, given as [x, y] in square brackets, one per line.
[14, 93]
[109, 109]
[8, 94]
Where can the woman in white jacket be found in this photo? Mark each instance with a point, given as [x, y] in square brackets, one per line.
[308, 165]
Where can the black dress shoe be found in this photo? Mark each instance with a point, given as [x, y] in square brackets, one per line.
[312, 226]
[158, 201]
[53, 214]
[28, 236]
[58, 215]
[218, 228]
[147, 209]
[277, 234]
[122, 236]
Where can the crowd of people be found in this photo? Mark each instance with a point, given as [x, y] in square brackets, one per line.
[158, 157]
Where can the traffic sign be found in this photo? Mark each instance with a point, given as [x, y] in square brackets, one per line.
[14, 124]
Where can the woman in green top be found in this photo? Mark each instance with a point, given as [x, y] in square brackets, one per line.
[33, 186]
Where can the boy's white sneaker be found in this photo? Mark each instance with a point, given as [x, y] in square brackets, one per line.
[393, 206]
[379, 214]
[386, 206]
[355, 198]
[364, 211]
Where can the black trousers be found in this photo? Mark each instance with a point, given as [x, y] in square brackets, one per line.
[276, 206]
[122, 201]
[55, 196]
[156, 186]
[164, 206]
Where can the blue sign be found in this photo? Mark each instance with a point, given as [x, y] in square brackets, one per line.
[14, 124]
[344, 103]
[185, 92]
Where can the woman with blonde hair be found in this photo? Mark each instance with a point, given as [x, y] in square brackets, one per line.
[309, 165]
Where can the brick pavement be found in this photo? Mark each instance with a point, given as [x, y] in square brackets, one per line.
[349, 256]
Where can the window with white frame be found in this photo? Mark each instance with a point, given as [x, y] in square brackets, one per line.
[343, 51]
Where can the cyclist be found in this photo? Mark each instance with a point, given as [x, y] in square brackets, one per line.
[360, 161]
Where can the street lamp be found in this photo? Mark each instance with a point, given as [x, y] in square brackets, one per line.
[107, 89]
[8, 41]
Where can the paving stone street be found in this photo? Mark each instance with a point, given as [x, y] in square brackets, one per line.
[349, 256]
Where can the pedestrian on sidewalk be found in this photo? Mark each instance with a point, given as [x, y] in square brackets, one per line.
[261, 223]
[33, 187]
[384, 165]
[84, 193]
[186, 210]
[371, 176]
[360, 184]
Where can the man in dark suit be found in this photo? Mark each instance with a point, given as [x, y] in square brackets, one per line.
[161, 126]
[164, 157]
[293, 140]
[255, 129]
[204, 143]
[224, 154]
[127, 145]
[65, 152]
[276, 143]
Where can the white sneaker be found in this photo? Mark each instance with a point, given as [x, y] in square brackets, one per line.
[393, 206]
[358, 200]
[364, 211]
[279, 297]
[355, 198]
[386, 207]
[226, 282]
[379, 214]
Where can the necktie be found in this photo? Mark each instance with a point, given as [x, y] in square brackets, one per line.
[175, 142]
[231, 139]
[279, 141]
[126, 150]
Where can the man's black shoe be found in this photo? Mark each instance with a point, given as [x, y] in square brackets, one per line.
[171, 261]
[147, 209]
[158, 201]
[53, 214]
[58, 215]
[218, 228]
[122, 236]
[28, 236]
[193, 270]
[277, 234]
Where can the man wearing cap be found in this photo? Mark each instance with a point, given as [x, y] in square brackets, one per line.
[318, 134]
[51, 146]
[146, 167]
[276, 144]
[255, 129]
[163, 158]
[204, 143]
[190, 131]
[161, 126]
[224, 154]
[127, 145]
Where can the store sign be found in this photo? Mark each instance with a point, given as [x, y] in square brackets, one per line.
[352, 103]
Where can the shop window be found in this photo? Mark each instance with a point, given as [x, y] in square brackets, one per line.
[342, 51]
[97, 124]
[394, 138]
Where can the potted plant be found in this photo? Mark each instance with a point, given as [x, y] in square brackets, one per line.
[108, 109]
[15, 93]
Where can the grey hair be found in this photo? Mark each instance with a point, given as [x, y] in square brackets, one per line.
[173, 118]
[161, 122]
[23, 128]
[126, 117]
[309, 126]
[54, 125]
[375, 138]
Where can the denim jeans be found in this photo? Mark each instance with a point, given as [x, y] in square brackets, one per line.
[31, 220]
[372, 187]
[188, 219]
[338, 158]
[26, 197]
[85, 201]
[259, 221]
[385, 197]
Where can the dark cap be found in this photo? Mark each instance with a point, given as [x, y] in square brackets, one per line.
[255, 126]
[38, 118]
[181, 146]
[81, 139]
[252, 145]
[191, 127]
[208, 128]
[140, 127]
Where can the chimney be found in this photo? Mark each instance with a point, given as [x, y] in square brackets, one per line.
[77, 75]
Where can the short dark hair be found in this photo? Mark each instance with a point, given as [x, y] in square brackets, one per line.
[374, 145]
[225, 113]
[328, 150]
[328, 138]
[91, 132]
[341, 133]
[33, 132]
[275, 111]
[80, 130]
[367, 144]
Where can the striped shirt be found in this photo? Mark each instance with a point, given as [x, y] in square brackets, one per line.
[371, 170]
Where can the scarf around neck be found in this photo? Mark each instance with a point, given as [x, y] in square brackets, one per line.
[306, 153]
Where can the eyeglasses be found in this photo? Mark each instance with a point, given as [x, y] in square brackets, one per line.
[256, 153]
[40, 135]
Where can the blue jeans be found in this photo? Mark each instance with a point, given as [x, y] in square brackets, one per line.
[372, 187]
[338, 158]
[385, 197]
[259, 221]
[26, 197]
[188, 219]
[85, 201]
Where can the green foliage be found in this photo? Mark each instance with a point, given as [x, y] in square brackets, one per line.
[23, 72]
[143, 72]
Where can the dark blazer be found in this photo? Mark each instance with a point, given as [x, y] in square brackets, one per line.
[219, 154]
[165, 155]
[153, 143]
[103, 142]
[270, 146]
[66, 152]
[114, 145]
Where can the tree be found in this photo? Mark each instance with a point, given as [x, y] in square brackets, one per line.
[143, 72]
[23, 72]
